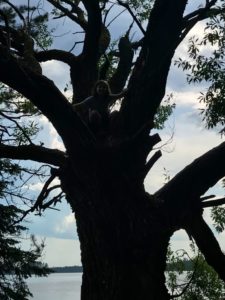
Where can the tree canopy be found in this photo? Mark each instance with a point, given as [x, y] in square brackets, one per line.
[124, 231]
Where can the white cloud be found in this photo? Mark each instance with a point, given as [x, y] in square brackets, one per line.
[66, 225]
[189, 98]
[189, 142]
[56, 141]
[50, 136]
[38, 186]
[62, 252]
[180, 240]
[57, 71]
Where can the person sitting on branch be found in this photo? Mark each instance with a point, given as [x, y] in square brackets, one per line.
[95, 110]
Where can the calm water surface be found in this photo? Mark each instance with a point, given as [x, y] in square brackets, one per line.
[59, 286]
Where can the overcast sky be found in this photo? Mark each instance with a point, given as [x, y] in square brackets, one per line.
[189, 140]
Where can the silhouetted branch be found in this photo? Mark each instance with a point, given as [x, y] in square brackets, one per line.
[69, 13]
[200, 14]
[151, 162]
[32, 152]
[215, 202]
[120, 13]
[207, 197]
[194, 180]
[18, 126]
[60, 55]
[207, 244]
[189, 282]
[132, 14]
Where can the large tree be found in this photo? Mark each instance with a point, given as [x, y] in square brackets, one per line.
[124, 231]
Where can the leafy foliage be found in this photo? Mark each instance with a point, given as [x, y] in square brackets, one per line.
[163, 113]
[31, 21]
[141, 8]
[206, 65]
[16, 264]
[218, 216]
[200, 282]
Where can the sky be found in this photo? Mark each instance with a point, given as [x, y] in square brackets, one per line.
[184, 138]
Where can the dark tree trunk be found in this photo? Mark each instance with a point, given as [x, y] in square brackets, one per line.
[123, 231]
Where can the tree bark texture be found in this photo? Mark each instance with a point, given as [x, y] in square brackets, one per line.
[124, 236]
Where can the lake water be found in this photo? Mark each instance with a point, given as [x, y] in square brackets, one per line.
[56, 286]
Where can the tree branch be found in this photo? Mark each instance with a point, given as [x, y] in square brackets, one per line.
[93, 31]
[18, 126]
[45, 95]
[151, 162]
[77, 19]
[148, 80]
[33, 152]
[133, 15]
[212, 203]
[194, 180]
[200, 12]
[60, 55]
[96, 41]
[126, 53]
[207, 244]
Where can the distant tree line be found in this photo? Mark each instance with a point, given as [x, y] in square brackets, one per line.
[67, 269]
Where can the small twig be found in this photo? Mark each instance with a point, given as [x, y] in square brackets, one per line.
[190, 281]
[79, 32]
[75, 44]
[17, 124]
[115, 18]
[107, 12]
[133, 15]
[53, 200]
[43, 192]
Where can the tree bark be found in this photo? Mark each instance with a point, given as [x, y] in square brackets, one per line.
[124, 235]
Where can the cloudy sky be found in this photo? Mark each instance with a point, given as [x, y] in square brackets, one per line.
[189, 140]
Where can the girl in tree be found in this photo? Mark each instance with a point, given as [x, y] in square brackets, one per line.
[95, 110]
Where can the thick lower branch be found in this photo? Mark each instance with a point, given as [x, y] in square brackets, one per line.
[207, 244]
[35, 153]
[194, 180]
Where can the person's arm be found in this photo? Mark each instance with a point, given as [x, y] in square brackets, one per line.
[114, 97]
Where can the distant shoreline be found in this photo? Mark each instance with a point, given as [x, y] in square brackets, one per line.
[67, 269]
